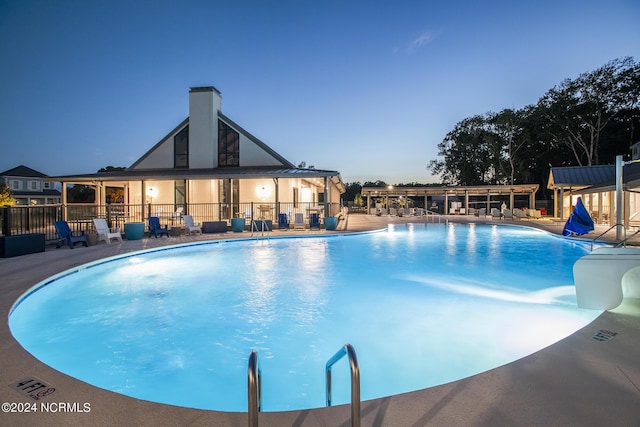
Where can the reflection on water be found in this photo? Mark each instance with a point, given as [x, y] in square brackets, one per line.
[415, 302]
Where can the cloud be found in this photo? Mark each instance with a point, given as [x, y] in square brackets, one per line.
[423, 39]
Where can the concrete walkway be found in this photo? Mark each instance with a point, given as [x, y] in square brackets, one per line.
[576, 382]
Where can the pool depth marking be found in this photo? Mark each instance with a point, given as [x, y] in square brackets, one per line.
[33, 387]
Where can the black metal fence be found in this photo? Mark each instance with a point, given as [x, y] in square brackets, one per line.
[15, 220]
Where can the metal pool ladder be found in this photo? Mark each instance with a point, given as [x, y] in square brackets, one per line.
[260, 229]
[349, 351]
[255, 389]
[254, 384]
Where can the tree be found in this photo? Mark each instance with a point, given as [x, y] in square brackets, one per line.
[81, 194]
[6, 198]
[581, 109]
[471, 154]
[352, 189]
[111, 169]
[584, 121]
[508, 128]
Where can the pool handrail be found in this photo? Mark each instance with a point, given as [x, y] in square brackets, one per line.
[348, 350]
[254, 386]
[261, 229]
[433, 214]
[595, 239]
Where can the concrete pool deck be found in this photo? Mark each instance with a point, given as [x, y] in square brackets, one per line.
[576, 382]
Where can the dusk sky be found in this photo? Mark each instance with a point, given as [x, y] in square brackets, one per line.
[365, 88]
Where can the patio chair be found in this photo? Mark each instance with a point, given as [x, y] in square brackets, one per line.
[495, 213]
[314, 221]
[298, 221]
[190, 227]
[283, 221]
[519, 214]
[104, 233]
[155, 229]
[508, 213]
[66, 235]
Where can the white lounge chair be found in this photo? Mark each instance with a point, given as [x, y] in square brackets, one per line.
[190, 227]
[104, 233]
[495, 213]
[298, 221]
[519, 214]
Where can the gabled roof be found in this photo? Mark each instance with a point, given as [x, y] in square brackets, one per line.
[601, 177]
[582, 176]
[256, 141]
[23, 171]
[286, 163]
[162, 141]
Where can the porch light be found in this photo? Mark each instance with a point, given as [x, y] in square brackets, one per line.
[152, 192]
[263, 192]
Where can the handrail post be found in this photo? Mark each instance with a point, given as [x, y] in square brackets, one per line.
[254, 385]
[348, 350]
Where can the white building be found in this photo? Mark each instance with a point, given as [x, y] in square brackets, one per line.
[208, 159]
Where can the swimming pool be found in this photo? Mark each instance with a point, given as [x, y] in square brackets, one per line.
[422, 305]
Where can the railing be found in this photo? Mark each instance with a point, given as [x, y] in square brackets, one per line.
[433, 215]
[348, 350]
[626, 239]
[608, 230]
[254, 386]
[16, 220]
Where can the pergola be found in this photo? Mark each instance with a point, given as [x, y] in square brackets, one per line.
[487, 192]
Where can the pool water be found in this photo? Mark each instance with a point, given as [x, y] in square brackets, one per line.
[421, 304]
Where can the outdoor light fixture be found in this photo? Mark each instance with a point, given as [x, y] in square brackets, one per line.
[152, 192]
[263, 192]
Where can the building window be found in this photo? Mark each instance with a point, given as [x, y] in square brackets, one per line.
[181, 149]
[33, 185]
[228, 145]
[16, 184]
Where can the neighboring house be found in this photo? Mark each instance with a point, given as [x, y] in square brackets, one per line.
[597, 187]
[210, 159]
[30, 187]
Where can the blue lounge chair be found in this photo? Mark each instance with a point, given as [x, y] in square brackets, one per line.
[314, 221]
[155, 229]
[66, 235]
[283, 221]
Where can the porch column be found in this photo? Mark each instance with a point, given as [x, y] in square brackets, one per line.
[561, 203]
[143, 198]
[532, 200]
[64, 201]
[446, 203]
[326, 196]
[600, 205]
[488, 212]
[466, 202]
[277, 183]
[511, 199]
